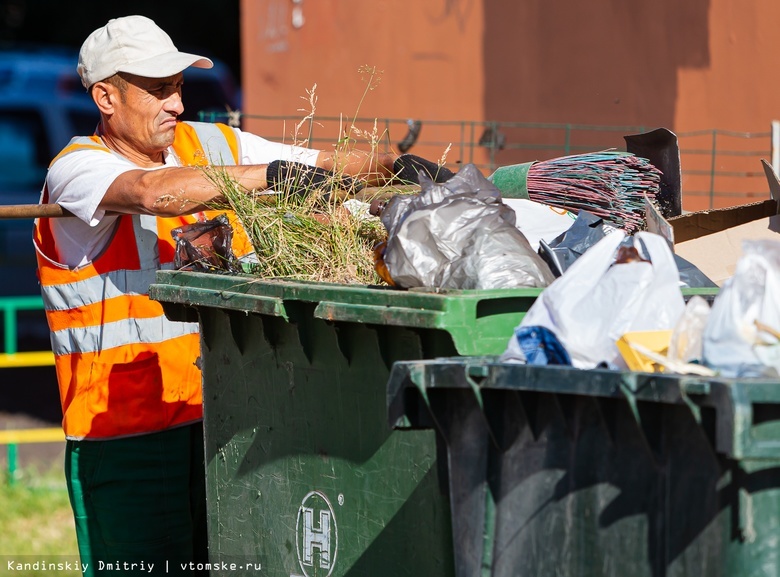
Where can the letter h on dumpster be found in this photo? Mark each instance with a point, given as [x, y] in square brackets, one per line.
[318, 538]
[323, 537]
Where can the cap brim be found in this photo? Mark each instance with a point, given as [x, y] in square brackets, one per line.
[165, 65]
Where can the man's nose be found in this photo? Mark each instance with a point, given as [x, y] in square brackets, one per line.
[174, 104]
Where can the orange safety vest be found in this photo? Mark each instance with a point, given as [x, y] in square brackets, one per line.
[123, 368]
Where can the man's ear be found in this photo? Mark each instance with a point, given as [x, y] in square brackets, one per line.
[104, 95]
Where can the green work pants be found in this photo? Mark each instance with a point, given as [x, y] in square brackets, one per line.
[140, 503]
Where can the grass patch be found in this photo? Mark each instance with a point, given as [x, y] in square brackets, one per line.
[36, 523]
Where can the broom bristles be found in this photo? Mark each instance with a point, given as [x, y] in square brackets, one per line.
[610, 184]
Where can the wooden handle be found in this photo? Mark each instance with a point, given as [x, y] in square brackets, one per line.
[767, 329]
[384, 192]
[10, 211]
[33, 211]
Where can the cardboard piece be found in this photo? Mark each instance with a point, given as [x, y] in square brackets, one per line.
[656, 222]
[771, 177]
[711, 240]
[684, 227]
[698, 224]
[716, 255]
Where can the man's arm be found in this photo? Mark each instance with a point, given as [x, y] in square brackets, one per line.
[175, 191]
[372, 168]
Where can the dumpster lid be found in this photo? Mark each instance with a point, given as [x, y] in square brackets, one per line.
[734, 401]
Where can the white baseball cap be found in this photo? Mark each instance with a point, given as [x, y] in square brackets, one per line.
[133, 44]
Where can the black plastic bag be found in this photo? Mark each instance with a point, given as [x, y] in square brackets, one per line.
[586, 230]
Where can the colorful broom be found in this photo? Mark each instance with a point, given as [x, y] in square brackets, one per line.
[610, 184]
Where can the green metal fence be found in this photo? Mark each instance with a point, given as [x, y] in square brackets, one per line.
[720, 167]
[11, 357]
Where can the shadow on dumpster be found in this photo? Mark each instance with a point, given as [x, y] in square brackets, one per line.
[590, 485]
[296, 406]
[305, 387]
[380, 552]
[666, 486]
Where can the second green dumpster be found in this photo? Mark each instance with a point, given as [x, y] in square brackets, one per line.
[572, 473]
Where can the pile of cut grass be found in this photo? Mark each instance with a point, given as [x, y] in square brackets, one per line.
[311, 237]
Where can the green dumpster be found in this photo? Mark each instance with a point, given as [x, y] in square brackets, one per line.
[304, 474]
[554, 471]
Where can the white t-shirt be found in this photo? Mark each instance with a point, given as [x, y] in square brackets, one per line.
[78, 181]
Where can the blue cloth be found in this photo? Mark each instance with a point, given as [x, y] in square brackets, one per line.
[541, 347]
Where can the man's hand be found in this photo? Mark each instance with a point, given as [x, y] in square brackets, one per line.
[407, 168]
[300, 179]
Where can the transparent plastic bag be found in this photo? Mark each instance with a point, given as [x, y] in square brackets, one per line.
[742, 336]
[687, 337]
[458, 235]
[205, 246]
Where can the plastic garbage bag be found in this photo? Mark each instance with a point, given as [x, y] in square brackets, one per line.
[563, 250]
[686, 342]
[742, 336]
[605, 295]
[587, 230]
[691, 276]
[205, 246]
[538, 221]
[458, 235]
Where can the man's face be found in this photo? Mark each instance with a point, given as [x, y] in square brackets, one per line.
[149, 110]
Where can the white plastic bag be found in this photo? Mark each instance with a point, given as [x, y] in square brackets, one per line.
[595, 302]
[686, 342]
[539, 221]
[740, 338]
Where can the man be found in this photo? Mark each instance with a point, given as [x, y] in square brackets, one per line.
[129, 385]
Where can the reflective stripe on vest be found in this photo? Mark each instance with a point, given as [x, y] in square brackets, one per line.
[116, 334]
[93, 290]
[123, 368]
[213, 143]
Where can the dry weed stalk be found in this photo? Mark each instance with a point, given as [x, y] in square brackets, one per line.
[311, 237]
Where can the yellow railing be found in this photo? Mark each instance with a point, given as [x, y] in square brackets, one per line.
[12, 358]
[26, 359]
[12, 438]
[21, 436]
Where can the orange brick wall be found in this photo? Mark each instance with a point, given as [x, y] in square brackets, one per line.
[686, 65]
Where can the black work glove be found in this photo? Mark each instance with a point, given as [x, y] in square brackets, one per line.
[407, 168]
[298, 178]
